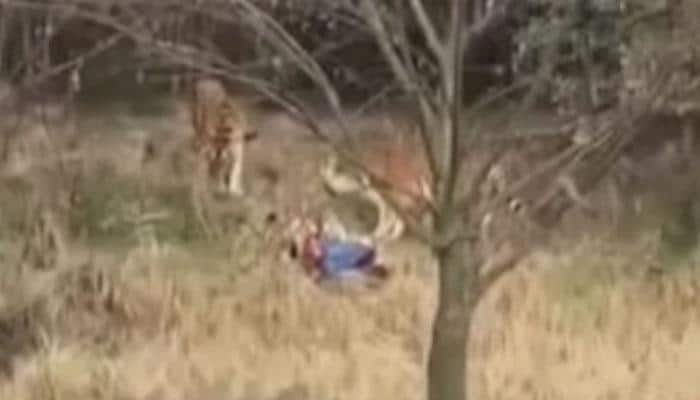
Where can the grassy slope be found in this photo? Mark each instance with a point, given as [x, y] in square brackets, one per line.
[154, 310]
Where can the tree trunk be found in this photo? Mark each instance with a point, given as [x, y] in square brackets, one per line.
[447, 363]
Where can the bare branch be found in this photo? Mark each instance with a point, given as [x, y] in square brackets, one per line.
[497, 95]
[554, 163]
[493, 269]
[385, 42]
[378, 97]
[98, 49]
[431, 36]
[452, 74]
[566, 182]
[291, 47]
[408, 81]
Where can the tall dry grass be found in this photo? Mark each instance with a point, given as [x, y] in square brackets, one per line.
[150, 309]
[575, 326]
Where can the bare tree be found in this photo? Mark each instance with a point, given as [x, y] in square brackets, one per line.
[461, 217]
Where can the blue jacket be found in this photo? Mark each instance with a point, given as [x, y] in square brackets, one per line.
[343, 259]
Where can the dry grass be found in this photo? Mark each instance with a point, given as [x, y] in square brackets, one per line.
[174, 331]
[589, 325]
[147, 309]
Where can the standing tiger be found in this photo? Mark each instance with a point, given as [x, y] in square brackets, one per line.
[220, 132]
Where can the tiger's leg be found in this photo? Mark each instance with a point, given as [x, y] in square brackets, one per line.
[388, 222]
[199, 195]
[375, 198]
[394, 225]
[235, 180]
[398, 227]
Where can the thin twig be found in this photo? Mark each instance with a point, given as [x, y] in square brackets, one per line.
[431, 36]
